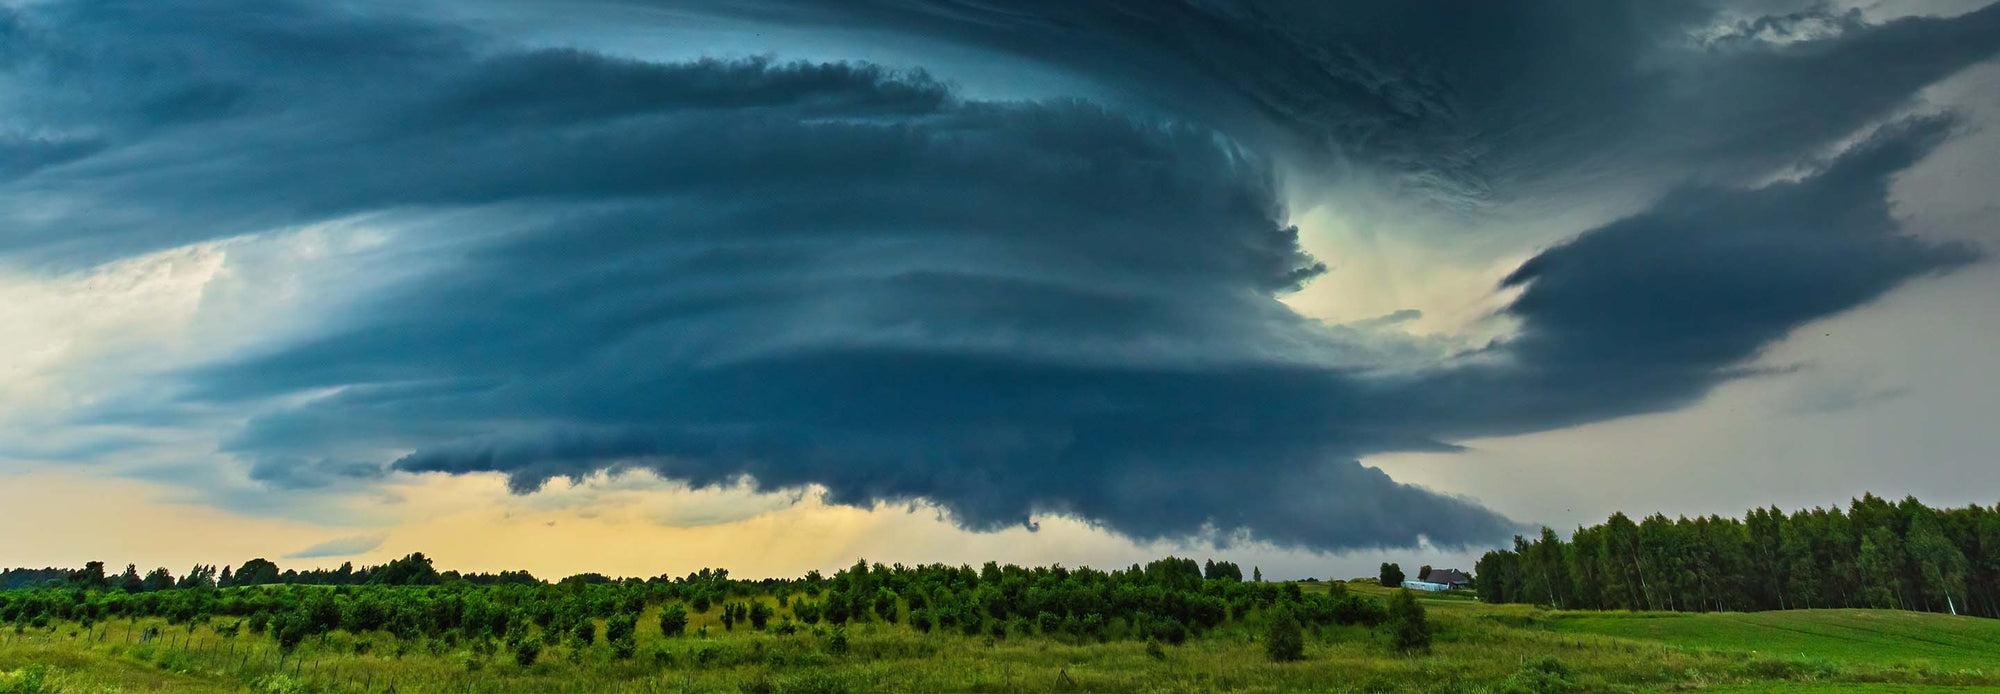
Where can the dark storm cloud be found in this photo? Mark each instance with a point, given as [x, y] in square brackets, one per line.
[851, 276]
[1666, 289]
[301, 473]
[1471, 100]
[22, 156]
[1650, 311]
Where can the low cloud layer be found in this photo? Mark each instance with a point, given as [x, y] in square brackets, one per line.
[342, 547]
[856, 277]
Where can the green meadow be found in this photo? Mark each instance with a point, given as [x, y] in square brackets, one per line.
[1476, 648]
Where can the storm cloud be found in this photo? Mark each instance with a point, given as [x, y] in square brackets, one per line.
[1471, 102]
[857, 277]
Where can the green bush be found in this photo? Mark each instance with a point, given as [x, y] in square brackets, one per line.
[527, 650]
[290, 629]
[673, 620]
[1284, 639]
[278, 684]
[885, 605]
[175, 661]
[837, 642]
[1543, 676]
[1410, 630]
[32, 679]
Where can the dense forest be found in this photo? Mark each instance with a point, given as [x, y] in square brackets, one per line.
[1875, 554]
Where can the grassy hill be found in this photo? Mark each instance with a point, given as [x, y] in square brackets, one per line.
[1479, 648]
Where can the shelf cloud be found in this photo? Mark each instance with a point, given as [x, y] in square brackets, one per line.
[866, 278]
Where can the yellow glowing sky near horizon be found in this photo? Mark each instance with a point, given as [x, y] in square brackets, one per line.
[626, 525]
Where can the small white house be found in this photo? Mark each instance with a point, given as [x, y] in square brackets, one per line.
[1439, 580]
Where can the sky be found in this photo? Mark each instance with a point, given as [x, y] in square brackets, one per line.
[642, 286]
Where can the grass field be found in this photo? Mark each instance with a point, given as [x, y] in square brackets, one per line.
[1479, 648]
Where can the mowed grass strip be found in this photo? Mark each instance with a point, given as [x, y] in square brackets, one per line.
[1857, 637]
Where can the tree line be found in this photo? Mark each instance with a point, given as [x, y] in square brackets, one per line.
[1875, 554]
[411, 570]
[1166, 601]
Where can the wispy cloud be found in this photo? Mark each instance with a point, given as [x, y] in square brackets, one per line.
[341, 547]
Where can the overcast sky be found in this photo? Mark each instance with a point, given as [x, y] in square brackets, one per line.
[639, 286]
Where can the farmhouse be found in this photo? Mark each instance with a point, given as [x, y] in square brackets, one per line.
[1439, 579]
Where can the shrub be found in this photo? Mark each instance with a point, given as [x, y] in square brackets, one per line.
[835, 607]
[620, 627]
[1284, 640]
[837, 642]
[760, 615]
[290, 629]
[29, 680]
[1543, 676]
[175, 661]
[673, 620]
[527, 650]
[885, 605]
[1410, 631]
[278, 684]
